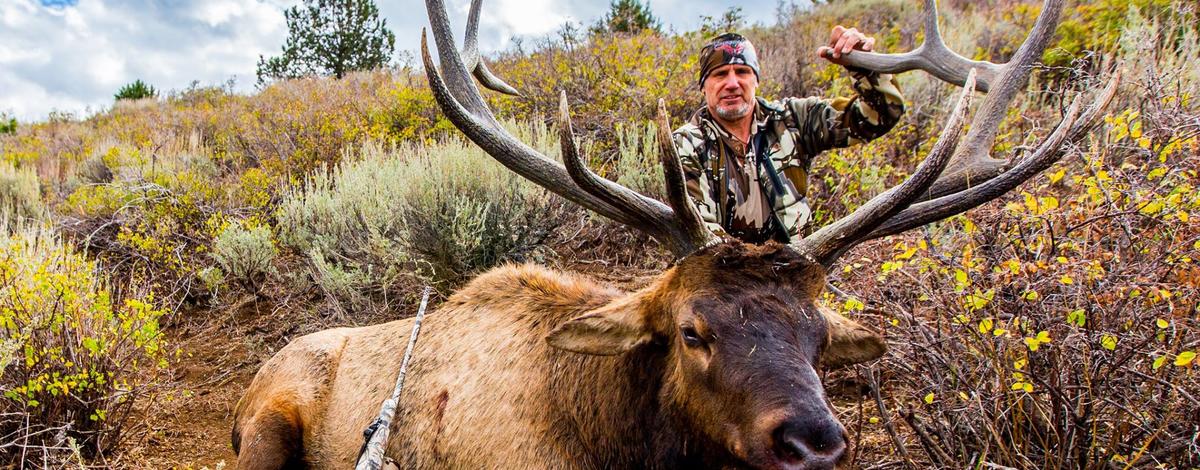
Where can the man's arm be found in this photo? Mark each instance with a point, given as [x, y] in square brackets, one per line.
[688, 141]
[824, 124]
[872, 112]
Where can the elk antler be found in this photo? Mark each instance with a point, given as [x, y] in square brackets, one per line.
[971, 165]
[831, 240]
[971, 177]
[677, 226]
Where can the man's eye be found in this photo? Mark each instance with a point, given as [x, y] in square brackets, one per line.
[690, 336]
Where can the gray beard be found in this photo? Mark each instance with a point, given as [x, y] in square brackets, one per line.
[734, 113]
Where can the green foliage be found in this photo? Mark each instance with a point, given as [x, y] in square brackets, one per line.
[156, 222]
[627, 16]
[245, 254]
[441, 213]
[1096, 27]
[20, 193]
[75, 358]
[731, 21]
[8, 124]
[330, 37]
[639, 162]
[135, 91]
[609, 80]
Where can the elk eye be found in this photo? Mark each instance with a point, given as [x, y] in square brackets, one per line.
[690, 336]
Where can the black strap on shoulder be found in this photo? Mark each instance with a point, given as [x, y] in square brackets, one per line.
[760, 154]
[775, 224]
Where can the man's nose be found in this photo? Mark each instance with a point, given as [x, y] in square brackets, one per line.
[730, 82]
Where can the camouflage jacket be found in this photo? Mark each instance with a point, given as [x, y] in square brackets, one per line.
[767, 202]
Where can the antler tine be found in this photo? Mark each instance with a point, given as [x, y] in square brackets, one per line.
[931, 56]
[458, 81]
[470, 55]
[826, 244]
[459, 99]
[688, 218]
[1073, 127]
[680, 228]
[973, 164]
[648, 213]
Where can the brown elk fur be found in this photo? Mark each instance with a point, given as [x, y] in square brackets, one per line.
[485, 388]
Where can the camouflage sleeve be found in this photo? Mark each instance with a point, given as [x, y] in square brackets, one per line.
[687, 140]
[844, 121]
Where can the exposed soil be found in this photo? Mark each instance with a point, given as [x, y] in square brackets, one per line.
[190, 425]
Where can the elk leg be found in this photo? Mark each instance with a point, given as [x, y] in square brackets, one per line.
[271, 440]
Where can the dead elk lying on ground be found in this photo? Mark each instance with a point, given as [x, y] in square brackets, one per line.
[713, 364]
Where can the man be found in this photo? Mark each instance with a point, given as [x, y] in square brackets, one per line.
[746, 160]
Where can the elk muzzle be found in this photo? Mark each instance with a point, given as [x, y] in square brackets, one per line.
[809, 442]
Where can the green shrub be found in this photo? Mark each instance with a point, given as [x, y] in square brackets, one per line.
[75, 356]
[443, 211]
[245, 255]
[94, 171]
[639, 161]
[8, 124]
[135, 91]
[20, 192]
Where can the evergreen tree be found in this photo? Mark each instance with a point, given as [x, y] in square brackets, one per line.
[8, 124]
[729, 22]
[330, 37]
[135, 91]
[627, 16]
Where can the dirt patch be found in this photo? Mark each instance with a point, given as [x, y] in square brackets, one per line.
[189, 426]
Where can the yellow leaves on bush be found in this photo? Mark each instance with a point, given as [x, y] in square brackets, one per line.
[1077, 317]
[101, 200]
[1108, 341]
[58, 312]
[978, 300]
[1035, 342]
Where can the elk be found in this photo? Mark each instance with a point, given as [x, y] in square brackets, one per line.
[715, 363]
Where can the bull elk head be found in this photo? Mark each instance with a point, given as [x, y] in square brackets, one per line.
[737, 328]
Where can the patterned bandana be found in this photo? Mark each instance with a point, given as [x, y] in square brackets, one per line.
[728, 48]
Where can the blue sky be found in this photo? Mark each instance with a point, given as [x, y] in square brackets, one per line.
[72, 55]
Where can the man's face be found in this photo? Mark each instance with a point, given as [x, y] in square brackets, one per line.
[729, 91]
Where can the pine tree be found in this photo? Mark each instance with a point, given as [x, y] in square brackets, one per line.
[8, 124]
[330, 37]
[627, 16]
[135, 91]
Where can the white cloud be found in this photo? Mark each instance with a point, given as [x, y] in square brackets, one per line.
[75, 57]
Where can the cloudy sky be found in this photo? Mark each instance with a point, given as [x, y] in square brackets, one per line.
[72, 55]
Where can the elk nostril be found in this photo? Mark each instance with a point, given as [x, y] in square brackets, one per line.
[788, 447]
[815, 445]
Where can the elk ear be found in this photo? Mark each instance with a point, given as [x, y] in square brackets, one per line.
[849, 342]
[606, 331]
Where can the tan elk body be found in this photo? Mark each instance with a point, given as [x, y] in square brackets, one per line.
[715, 364]
[485, 390]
